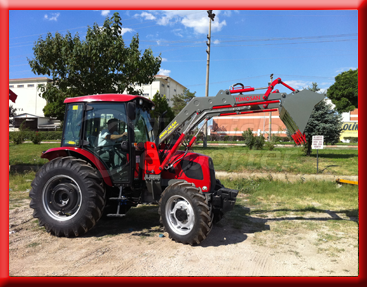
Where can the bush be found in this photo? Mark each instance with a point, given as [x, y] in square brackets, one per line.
[27, 135]
[270, 145]
[352, 139]
[259, 142]
[226, 138]
[36, 138]
[18, 138]
[249, 138]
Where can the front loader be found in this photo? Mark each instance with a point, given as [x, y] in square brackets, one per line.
[111, 159]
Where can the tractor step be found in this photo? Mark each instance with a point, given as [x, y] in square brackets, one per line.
[115, 215]
[121, 199]
[118, 198]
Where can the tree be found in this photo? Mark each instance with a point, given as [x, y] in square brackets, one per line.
[323, 121]
[180, 101]
[344, 92]
[314, 87]
[161, 105]
[101, 63]
[12, 113]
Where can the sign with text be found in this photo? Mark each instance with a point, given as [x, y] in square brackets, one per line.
[317, 142]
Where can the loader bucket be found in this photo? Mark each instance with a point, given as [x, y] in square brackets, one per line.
[296, 110]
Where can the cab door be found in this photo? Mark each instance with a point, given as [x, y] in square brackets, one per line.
[98, 138]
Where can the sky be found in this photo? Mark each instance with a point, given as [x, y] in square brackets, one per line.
[299, 46]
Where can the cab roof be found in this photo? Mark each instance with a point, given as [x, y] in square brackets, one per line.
[106, 98]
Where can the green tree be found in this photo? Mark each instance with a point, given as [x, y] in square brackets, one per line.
[161, 106]
[180, 101]
[314, 87]
[12, 113]
[344, 92]
[323, 121]
[101, 63]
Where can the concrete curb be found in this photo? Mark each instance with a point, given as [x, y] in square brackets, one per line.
[285, 176]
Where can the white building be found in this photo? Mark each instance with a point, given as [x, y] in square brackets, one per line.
[28, 100]
[30, 105]
[165, 86]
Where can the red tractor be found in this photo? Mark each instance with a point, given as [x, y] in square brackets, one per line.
[112, 155]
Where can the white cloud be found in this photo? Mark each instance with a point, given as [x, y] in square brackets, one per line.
[125, 30]
[177, 32]
[197, 20]
[323, 91]
[216, 42]
[105, 12]
[146, 16]
[164, 60]
[53, 16]
[164, 72]
[298, 85]
[345, 69]
[227, 13]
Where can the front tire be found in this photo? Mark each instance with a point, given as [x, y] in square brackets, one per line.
[185, 213]
[67, 196]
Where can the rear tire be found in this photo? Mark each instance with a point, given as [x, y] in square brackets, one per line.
[185, 213]
[67, 196]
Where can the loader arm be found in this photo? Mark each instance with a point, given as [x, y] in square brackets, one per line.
[294, 108]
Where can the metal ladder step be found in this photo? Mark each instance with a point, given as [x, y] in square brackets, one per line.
[117, 214]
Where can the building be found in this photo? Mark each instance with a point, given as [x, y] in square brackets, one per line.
[350, 126]
[30, 105]
[28, 100]
[262, 123]
[165, 86]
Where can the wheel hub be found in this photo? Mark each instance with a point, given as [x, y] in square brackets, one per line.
[181, 215]
[64, 197]
[61, 197]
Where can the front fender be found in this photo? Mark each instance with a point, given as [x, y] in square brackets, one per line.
[79, 153]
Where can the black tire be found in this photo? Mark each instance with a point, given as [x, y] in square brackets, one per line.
[185, 213]
[67, 196]
[218, 215]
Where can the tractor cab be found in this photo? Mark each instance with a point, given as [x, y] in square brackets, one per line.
[110, 127]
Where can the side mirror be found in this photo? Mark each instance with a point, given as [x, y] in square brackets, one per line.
[131, 110]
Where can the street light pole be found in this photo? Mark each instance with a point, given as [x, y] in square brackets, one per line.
[211, 18]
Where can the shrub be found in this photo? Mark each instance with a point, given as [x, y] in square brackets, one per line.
[270, 145]
[352, 139]
[226, 138]
[259, 142]
[18, 138]
[249, 138]
[48, 135]
[36, 138]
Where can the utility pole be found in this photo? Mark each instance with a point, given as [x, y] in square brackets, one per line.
[271, 80]
[211, 18]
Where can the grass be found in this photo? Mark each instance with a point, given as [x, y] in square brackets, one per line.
[28, 153]
[235, 159]
[276, 210]
[290, 160]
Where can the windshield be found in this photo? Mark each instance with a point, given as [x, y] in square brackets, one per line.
[143, 128]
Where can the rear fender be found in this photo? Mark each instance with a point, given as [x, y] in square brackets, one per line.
[79, 153]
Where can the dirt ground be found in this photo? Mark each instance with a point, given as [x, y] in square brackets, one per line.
[132, 246]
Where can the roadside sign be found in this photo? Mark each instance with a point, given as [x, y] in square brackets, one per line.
[317, 142]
